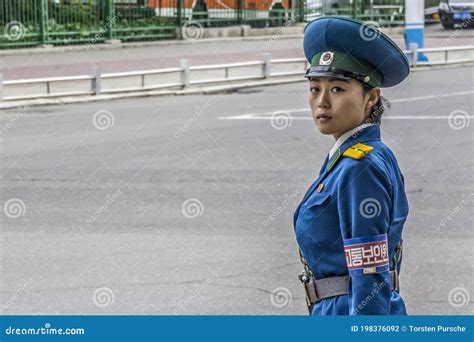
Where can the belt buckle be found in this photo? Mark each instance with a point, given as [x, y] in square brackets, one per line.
[308, 281]
[304, 277]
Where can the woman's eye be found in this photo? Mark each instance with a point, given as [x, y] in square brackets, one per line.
[313, 90]
[337, 89]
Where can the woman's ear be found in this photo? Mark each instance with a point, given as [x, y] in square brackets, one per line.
[374, 97]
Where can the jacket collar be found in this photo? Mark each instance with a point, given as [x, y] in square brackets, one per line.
[342, 139]
[366, 134]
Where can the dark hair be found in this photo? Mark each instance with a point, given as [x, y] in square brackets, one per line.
[378, 109]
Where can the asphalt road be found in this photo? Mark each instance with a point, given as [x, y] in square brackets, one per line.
[183, 205]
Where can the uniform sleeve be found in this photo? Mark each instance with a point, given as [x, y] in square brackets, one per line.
[364, 202]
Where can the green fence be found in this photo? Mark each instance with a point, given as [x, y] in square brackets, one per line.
[26, 23]
[36, 22]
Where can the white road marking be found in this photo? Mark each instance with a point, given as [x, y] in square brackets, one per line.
[430, 97]
[393, 117]
[267, 115]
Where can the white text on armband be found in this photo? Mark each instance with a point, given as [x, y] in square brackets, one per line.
[367, 255]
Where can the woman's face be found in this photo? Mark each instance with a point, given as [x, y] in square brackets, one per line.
[338, 105]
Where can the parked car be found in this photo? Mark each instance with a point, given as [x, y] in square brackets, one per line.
[456, 12]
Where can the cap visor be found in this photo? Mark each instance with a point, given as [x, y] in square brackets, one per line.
[314, 74]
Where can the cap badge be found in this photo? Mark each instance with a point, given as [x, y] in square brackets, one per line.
[326, 58]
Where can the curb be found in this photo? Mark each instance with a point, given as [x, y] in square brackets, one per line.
[118, 46]
[280, 34]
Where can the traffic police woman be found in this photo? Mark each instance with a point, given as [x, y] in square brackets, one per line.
[349, 223]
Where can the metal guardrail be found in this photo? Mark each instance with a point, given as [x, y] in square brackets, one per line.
[414, 52]
[185, 69]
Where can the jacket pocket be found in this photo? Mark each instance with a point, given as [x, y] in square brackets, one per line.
[316, 198]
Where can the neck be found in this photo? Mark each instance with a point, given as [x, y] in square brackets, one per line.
[339, 134]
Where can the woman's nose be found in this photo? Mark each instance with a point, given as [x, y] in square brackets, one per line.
[323, 100]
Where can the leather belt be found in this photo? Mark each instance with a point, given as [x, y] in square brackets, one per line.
[319, 289]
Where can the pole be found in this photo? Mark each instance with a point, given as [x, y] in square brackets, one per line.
[240, 10]
[43, 20]
[415, 25]
[179, 13]
[110, 18]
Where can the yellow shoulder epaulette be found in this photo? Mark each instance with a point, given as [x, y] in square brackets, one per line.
[357, 151]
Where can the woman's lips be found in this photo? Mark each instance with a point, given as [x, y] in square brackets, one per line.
[323, 118]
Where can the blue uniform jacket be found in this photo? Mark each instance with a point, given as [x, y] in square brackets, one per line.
[349, 223]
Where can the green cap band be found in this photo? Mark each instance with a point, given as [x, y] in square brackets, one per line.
[342, 61]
